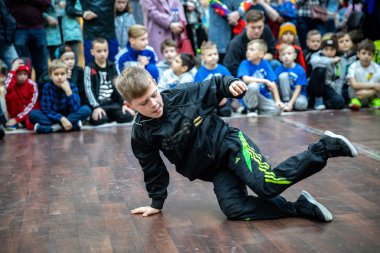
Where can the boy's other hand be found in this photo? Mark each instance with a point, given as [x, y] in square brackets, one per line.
[125, 109]
[88, 15]
[65, 86]
[142, 60]
[336, 59]
[237, 88]
[17, 63]
[52, 21]
[270, 85]
[98, 113]
[66, 124]
[176, 27]
[145, 211]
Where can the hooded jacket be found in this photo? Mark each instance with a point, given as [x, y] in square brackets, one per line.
[92, 86]
[189, 134]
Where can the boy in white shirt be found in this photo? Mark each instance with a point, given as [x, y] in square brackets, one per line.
[364, 78]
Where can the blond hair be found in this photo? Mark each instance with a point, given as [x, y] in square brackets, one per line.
[312, 33]
[57, 64]
[207, 45]
[261, 44]
[136, 31]
[133, 82]
[285, 46]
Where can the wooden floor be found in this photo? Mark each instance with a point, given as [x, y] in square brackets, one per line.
[74, 192]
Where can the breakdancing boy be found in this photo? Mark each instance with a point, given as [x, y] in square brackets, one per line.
[182, 124]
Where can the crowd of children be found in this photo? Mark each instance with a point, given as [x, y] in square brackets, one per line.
[330, 72]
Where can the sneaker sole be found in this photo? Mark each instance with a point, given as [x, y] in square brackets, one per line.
[326, 213]
[354, 152]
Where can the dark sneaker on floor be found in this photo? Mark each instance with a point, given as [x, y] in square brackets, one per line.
[2, 133]
[338, 145]
[308, 207]
[77, 126]
[40, 129]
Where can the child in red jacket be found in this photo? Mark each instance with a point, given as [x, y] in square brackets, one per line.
[22, 95]
[288, 35]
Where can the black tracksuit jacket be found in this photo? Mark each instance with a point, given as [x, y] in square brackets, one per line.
[189, 134]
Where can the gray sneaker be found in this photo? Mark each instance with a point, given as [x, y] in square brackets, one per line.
[338, 145]
[308, 207]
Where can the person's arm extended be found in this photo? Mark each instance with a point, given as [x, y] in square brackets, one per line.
[156, 176]
[358, 85]
[250, 79]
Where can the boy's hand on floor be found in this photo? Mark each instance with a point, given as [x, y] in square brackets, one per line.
[145, 211]
[237, 88]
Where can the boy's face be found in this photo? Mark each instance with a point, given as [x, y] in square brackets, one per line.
[365, 57]
[120, 5]
[169, 53]
[210, 56]
[255, 29]
[100, 52]
[139, 43]
[288, 37]
[177, 67]
[59, 76]
[329, 51]
[288, 56]
[150, 104]
[21, 76]
[314, 42]
[69, 59]
[345, 43]
[253, 53]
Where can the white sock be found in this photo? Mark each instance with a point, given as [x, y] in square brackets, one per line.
[56, 127]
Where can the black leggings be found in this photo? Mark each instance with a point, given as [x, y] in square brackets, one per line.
[317, 88]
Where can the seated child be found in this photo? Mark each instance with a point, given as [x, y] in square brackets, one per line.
[348, 56]
[313, 44]
[364, 78]
[178, 73]
[21, 96]
[169, 51]
[210, 68]
[291, 79]
[104, 100]
[259, 77]
[60, 103]
[323, 75]
[75, 73]
[123, 20]
[137, 52]
[288, 35]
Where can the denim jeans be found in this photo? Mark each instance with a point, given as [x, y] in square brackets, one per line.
[32, 43]
[305, 24]
[8, 53]
[37, 116]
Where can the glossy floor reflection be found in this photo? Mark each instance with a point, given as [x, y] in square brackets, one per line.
[74, 192]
